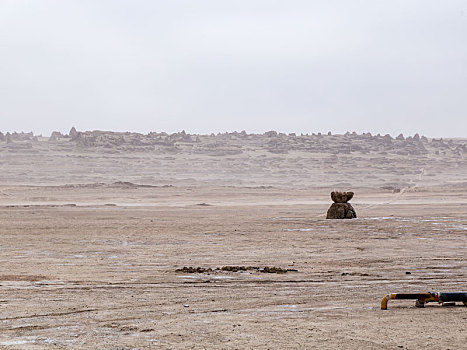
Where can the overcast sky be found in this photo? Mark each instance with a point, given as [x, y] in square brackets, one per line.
[223, 65]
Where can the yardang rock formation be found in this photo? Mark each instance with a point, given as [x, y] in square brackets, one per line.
[340, 209]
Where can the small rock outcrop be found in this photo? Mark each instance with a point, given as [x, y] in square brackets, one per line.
[73, 133]
[55, 136]
[340, 209]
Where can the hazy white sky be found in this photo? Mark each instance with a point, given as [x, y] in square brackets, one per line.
[223, 65]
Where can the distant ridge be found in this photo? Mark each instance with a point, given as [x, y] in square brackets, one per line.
[236, 142]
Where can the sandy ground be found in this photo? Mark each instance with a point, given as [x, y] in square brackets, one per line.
[95, 225]
[94, 267]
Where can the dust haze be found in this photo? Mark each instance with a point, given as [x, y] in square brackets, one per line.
[215, 66]
[232, 174]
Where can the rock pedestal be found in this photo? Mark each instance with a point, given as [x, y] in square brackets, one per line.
[340, 209]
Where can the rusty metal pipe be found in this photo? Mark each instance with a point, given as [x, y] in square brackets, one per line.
[422, 298]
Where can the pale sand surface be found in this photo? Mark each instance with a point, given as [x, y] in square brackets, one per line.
[92, 265]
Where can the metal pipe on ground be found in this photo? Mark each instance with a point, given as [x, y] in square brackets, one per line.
[422, 298]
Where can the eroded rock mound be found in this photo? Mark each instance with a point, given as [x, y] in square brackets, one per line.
[340, 209]
[266, 269]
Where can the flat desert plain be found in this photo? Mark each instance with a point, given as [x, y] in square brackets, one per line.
[129, 241]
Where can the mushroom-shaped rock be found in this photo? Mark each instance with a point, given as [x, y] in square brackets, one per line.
[340, 209]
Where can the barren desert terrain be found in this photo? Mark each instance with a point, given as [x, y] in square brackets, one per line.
[130, 241]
